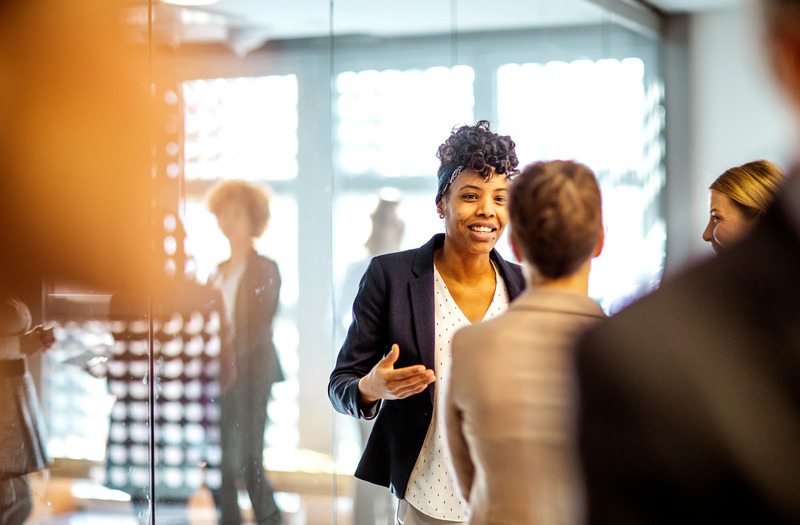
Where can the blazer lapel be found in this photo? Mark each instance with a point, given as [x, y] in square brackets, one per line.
[422, 307]
[243, 294]
[422, 312]
[514, 282]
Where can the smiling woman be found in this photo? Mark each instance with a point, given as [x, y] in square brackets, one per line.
[457, 278]
[475, 214]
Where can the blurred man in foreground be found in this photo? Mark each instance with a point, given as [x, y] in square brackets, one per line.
[690, 398]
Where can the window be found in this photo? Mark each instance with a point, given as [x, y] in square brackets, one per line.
[241, 127]
[390, 122]
[606, 114]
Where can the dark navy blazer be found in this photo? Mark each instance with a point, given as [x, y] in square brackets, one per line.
[395, 304]
[256, 304]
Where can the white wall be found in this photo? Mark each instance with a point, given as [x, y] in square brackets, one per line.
[737, 114]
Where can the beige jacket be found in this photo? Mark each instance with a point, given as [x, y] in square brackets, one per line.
[509, 410]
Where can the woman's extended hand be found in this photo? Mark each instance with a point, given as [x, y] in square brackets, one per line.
[385, 381]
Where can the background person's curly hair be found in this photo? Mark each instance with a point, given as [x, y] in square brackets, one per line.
[479, 148]
[254, 198]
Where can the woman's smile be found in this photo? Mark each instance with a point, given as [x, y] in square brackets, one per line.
[483, 232]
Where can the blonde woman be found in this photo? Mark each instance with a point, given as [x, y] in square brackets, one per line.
[738, 198]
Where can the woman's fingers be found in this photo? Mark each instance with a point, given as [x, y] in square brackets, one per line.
[409, 384]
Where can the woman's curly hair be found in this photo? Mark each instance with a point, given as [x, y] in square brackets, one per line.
[253, 198]
[479, 148]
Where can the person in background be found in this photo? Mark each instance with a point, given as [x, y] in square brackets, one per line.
[372, 504]
[386, 234]
[250, 285]
[690, 408]
[510, 398]
[738, 198]
[22, 439]
[407, 308]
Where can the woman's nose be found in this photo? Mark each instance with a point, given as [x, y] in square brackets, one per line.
[487, 207]
[708, 233]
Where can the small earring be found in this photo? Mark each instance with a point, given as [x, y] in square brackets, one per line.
[441, 215]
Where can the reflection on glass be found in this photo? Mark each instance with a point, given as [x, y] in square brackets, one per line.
[78, 404]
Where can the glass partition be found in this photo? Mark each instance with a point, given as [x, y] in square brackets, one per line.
[154, 410]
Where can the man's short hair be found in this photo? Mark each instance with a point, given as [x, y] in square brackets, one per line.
[556, 216]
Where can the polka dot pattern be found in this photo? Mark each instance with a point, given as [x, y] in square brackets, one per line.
[431, 487]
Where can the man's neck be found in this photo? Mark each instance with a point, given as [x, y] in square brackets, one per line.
[577, 282]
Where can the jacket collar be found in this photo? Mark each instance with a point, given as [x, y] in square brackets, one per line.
[423, 262]
[551, 300]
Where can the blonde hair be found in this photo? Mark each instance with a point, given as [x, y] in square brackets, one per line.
[752, 186]
[255, 199]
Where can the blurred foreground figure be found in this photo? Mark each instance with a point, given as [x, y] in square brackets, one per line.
[74, 145]
[75, 127]
[690, 398]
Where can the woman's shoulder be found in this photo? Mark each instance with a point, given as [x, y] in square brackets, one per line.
[413, 260]
[260, 259]
[396, 257]
[262, 264]
[408, 257]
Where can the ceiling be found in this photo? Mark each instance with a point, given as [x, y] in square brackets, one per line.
[246, 24]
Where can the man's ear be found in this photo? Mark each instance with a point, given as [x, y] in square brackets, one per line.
[601, 240]
[516, 251]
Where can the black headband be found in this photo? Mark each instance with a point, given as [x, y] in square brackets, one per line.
[447, 174]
